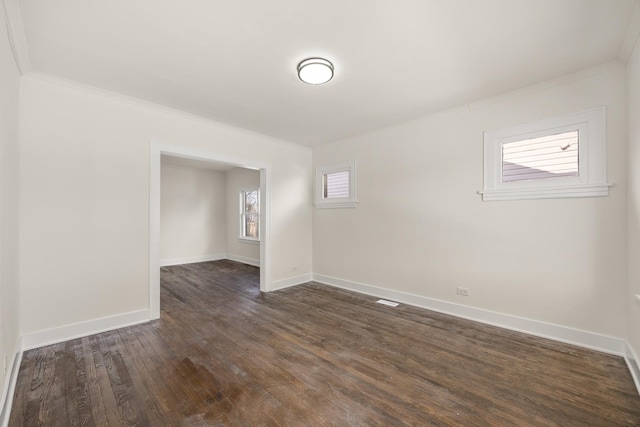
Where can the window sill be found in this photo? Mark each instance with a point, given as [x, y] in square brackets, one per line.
[589, 190]
[249, 241]
[340, 205]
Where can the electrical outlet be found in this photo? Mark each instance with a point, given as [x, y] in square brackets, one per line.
[462, 291]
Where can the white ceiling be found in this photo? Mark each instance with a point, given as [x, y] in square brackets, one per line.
[234, 60]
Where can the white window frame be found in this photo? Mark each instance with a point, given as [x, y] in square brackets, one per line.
[338, 202]
[242, 237]
[592, 164]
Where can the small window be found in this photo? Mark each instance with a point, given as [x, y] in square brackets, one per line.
[335, 186]
[559, 157]
[250, 215]
[544, 157]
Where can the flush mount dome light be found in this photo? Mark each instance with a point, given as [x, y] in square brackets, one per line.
[315, 71]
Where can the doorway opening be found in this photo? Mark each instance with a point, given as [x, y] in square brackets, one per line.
[187, 155]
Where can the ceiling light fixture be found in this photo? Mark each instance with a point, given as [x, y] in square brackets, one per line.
[315, 71]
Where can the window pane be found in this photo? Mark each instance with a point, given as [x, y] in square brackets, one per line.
[251, 224]
[336, 185]
[251, 202]
[549, 156]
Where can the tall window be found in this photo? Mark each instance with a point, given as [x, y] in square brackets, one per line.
[250, 215]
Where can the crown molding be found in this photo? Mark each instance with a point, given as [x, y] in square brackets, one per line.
[586, 73]
[633, 33]
[17, 37]
[141, 103]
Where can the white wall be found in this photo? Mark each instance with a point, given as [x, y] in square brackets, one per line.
[240, 179]
[193, 214]
[200, 217]
[9, 135]
[633, 204]
[84, 183]
[421, 228]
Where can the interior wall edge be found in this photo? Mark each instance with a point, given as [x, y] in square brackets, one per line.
[17, 36]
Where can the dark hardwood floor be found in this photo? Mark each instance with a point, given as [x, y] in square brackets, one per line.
[225, 354]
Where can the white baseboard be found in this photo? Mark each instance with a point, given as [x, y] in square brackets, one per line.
[632, 360]
[244, 260]
[564, 334]
[205, 258]
[559, 333]
[10, 382]
[191, 260]
[291, 281]
[77, 330]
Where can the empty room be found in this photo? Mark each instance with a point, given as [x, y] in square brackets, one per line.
[348, 213]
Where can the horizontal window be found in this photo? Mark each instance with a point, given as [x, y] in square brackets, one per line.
[544, 157]
[559, 157]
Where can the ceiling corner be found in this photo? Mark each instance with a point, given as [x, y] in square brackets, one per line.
[17, 37]
[633, 33]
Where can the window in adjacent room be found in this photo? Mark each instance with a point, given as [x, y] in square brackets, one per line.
[250, 215]
[559, 157]
[335, 186]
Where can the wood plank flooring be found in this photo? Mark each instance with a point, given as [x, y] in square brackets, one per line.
[223, 354]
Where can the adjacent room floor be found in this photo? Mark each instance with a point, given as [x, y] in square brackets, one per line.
[225, 354]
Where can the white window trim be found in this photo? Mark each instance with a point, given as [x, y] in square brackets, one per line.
[249, 241]
[241, 237]
[592, 149]
[335, 203]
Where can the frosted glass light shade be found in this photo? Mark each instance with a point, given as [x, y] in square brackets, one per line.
[315, 71]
